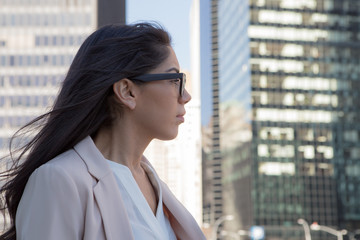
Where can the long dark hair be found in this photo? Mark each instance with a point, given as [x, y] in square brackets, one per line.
[85, 102]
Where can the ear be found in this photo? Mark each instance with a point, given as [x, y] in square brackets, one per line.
[124, 92]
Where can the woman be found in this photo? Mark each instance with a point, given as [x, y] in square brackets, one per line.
[84, 176]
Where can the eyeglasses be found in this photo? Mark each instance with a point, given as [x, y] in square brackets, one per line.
[164, 76]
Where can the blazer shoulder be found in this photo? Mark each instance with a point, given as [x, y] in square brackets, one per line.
[53, 202]
[70, 165]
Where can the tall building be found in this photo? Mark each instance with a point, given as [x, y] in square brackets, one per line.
[297, 63]
[226, 111]
[38, 40]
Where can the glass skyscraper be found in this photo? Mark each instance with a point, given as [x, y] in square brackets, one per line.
[285, 115]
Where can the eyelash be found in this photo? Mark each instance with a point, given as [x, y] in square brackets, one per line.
[176, 81]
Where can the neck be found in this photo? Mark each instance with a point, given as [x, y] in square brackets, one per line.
[122, 143]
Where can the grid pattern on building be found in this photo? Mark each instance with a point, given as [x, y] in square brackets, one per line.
[215, 159]
[38, 40]
[216, 154]
[305, 86]
[211, 154]
[305, 81]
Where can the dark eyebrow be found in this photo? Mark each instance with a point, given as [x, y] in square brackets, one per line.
[173, 69]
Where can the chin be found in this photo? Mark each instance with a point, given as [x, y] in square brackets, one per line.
[168, 137]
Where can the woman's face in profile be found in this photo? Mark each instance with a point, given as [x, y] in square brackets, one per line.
[160, 108]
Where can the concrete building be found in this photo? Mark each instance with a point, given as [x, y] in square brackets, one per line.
[38, 40]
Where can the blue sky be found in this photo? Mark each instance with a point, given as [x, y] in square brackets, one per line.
[173, 15]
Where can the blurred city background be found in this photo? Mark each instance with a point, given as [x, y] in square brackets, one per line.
[270, 145]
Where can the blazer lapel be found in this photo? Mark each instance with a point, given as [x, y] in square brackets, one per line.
[111, 206]
[115, 220]
[182, 222]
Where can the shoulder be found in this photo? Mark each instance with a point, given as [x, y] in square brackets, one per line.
[65, 170]
[62, 180]
[54, 200]
[66, 160]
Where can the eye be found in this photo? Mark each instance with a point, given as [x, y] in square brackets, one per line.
[175, 81]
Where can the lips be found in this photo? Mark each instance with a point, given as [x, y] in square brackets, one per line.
[181, 117]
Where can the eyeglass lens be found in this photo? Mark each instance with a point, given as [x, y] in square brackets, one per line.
[183, 85]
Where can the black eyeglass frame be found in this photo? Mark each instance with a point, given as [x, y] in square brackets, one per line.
[163, 76]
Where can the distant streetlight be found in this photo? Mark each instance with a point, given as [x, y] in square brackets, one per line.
[339, 233]
[219, 221]
[306, 228]
[257, 232]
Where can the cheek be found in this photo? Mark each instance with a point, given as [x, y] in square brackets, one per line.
[155, 112]
[163, 112]
[161, 104]
[160, 119]
[158, 106]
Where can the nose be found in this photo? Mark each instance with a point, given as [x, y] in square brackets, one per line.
[186, 97]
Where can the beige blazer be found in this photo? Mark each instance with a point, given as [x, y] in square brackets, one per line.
[75, 196]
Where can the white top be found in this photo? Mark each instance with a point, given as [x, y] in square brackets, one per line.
[144, 224]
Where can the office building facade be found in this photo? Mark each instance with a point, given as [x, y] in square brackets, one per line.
[301, 160]
[38, 40]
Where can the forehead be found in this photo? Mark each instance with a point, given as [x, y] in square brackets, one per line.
[171, 63]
